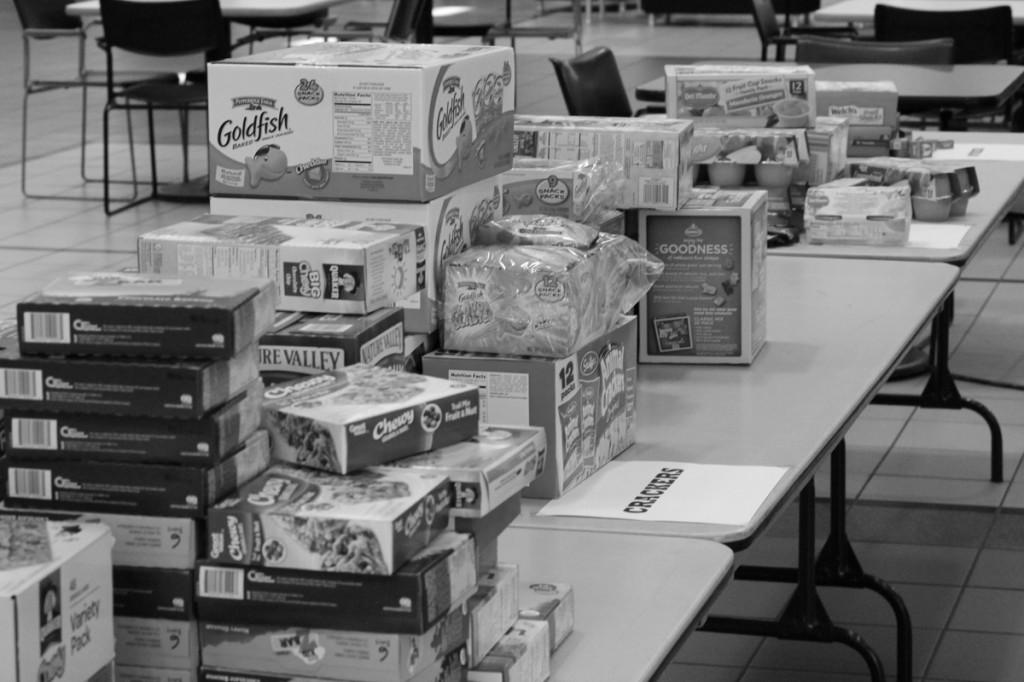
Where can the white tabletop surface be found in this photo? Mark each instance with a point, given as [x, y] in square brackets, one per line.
[231, 8]
[836, 328]
[863, 11]
[635, 595]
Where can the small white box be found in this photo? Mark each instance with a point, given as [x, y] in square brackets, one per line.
[56, 618]
[551, 602]
[493, 609]
[522, 655]
[710, 305]
[364, 121]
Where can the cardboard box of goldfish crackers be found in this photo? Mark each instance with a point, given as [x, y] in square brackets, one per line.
[376, 121]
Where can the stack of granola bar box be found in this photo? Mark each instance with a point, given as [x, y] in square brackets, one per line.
[134, 400]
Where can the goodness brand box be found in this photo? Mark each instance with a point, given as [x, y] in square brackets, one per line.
[56, 616]
[370, 522]
[147, 673]
[156, 642]
[448, 222]
[709, 305]
[132, 314]
[319, 266]
[363, 415]
[586, 402]
[35, 434]
[424, 589]
[322, 343]
[332, 654]
[159, 489]
[365, 121]
[653, 152]
[144, 592]
[137, 388]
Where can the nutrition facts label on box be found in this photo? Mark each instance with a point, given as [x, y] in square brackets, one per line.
[504, 396]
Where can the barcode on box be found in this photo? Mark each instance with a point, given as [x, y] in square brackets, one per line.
[22, 384]
[33, 484]
[47, 327]
[654, 193]
[221, 583]
[35, 434]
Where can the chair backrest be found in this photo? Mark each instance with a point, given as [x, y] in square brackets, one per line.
[765, 20]
[164, 28]
[980, 35]
[39, 14]
[592, 85]
[406, 23]
[828, 50]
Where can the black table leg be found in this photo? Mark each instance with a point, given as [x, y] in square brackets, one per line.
[941, 392]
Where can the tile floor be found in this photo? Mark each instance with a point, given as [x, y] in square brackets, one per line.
[924, 516]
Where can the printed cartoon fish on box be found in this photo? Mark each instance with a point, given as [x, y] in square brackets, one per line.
[375, 121]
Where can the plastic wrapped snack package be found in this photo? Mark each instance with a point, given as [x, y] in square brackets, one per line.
[578, 190]
[540, 300]
[535, 230]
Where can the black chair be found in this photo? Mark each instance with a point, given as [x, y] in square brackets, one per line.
[773, 34]
[592, 85]
[163, 28]
[980, 35]
[285, 27]
[826, 50]
[408, 22]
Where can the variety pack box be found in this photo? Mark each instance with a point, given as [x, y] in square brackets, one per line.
[132, 314]
[551, 602]
[36, 434]
[493, 609]
[148, 673]
[423, 590]
[586, 402]
[653, 152]
[487, 469]
[363, 415]
[448, 221]
[709, 305]
[741, 95]
[369, 522]
[154, 593]
[151, 387]
[322, 343]
[319, 266]
[156, 642]
[862, 103]
[522, 655]
[56, 602]
[117, 487]
[332, 654]
[365, 121]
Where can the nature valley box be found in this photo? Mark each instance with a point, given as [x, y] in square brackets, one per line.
[448, 223]
[56, 605]
[364, 121]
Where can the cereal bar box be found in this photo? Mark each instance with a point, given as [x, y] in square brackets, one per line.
[653, 152]
[56, 606]
[151, 593]
[487, 469]
[354, 267]
[448, 222]
[368, 522]
[363, 121]
[362, 415]
[761, 95]
[134, 314]
[332, 654]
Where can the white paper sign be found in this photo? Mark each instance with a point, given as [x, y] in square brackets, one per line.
[937, 235]
[981, 152]
[670, 491]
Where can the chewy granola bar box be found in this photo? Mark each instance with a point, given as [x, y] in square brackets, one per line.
[362, 415]
[132, 314]
[487, 469]
[159, 489]
[36, 434]
[319, 266]
[421, 592]
[332, 654]
[370, 522]
[364, 121]
[56, 605]
[154, 593]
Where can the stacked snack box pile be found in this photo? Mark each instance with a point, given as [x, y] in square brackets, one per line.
[134, 400]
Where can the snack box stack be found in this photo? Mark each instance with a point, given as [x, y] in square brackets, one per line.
[56, 600]
[133, 399]
[377, 132]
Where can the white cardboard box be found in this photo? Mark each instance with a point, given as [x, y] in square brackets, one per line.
[56, 618]
[364, 121]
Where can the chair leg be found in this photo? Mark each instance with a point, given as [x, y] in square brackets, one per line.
[183, 123]
[152, 151]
